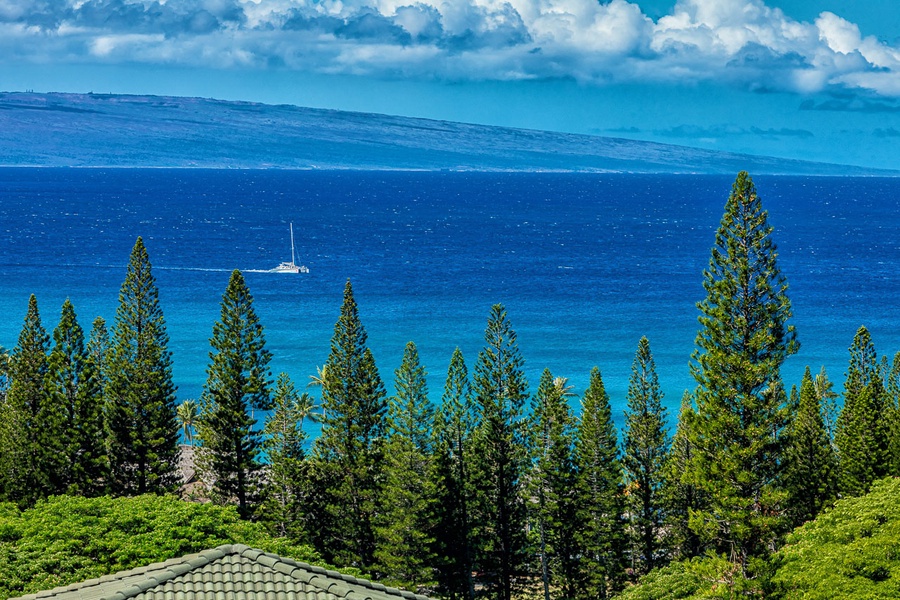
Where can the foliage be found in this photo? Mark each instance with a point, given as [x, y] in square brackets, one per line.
[850, 552]
[348, 456]
[827, 398]
[284, 439]
[700, 578]
[863, 427]
[237, 384]
[646, 444]
[743, 341]
[500, 391]
[892, 388]
[74, 389]
[140, 395]
[811, 464]
[552, 490]
[600, 499]
[454, 424]
[403, 525]
[66, 539]
[188, 415]
[26, 476]
[679, 494]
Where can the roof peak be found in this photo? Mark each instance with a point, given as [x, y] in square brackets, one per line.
[141, 582]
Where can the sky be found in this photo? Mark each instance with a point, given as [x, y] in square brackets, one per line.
[807, 79]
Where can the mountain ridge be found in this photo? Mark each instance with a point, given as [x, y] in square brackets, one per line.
[115, 130]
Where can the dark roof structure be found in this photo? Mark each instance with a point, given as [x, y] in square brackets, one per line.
[232, 572]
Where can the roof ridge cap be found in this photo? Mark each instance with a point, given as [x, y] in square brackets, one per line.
[167, 569]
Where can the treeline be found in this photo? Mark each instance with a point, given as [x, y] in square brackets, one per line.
[492, 489]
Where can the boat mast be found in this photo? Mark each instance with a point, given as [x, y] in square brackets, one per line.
[293, 259]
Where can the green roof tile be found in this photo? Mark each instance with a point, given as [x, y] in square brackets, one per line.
[231, 572]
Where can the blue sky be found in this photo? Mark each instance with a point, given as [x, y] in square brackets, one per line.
[818, 80]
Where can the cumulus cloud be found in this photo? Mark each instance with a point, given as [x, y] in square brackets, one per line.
[741, 42]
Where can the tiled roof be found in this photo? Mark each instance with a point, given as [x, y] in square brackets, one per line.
[233, 572]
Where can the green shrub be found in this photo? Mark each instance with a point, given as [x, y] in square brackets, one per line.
[67, 539]
[700, 578]
[850, 551]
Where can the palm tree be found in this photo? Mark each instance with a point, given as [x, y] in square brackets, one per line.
[188, 412]
[563, 388]
[318, 380]
[308, 408]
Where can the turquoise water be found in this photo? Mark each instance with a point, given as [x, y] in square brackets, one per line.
[585, 264]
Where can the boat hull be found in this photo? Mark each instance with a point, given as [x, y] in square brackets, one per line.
[289, 268]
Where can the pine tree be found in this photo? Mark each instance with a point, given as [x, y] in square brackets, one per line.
[237, 384]
[679, 494]
[283, 507]
[892, 389]
[501, 456]
[410, 411]
[811, 464]
[743, 341]
[404, 524]
[646, 444]
[24, 480]
[348, 456]
[141, 428]
[863, 427]
[454, 425]
[599, 487]
[75, 392]
[552, 486]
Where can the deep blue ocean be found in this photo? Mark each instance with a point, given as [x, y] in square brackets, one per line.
[585, 264]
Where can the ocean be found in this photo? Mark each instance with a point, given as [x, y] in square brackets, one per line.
[584, 264]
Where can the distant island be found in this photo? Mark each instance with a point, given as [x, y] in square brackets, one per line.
[108, 130]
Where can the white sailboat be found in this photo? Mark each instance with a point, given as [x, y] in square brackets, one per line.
[290, 267]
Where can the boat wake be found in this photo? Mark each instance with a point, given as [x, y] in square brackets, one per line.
[194, 269]
[301, 269]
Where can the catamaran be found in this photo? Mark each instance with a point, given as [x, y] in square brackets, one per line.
[290, 267]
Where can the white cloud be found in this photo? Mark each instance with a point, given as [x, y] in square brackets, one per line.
[742, 42]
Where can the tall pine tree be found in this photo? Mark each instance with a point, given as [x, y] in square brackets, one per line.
[454, 424]
[404, 525]
[892, 389]
[98, 352]
[680, 496]
[552, 487]
[284, 439]
[811, 464]
[601, 503]
[237, 385]
[743, 340]
[646, 445]
[501, 456]
[24, 479]
[141, 428]
[863, 427]
[348, 456]
[75, 388]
